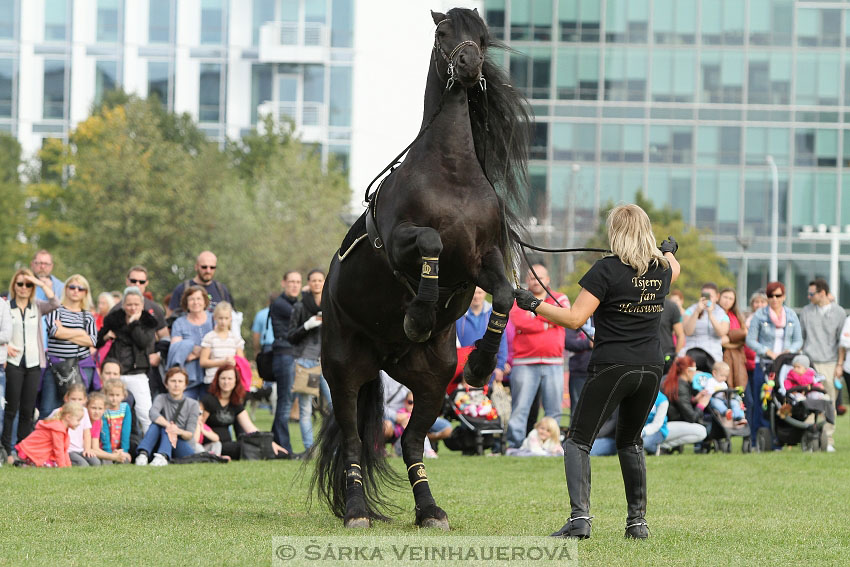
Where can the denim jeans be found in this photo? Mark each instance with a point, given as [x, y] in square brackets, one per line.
[525, 380]
[752, 400]
[603, 447]
[156, 441]
[719, 406]
[283, 366]
[652, 442]
[305, 403]
[2, 393]
[50, 398]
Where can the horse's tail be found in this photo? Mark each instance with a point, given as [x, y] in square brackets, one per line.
[329, 473]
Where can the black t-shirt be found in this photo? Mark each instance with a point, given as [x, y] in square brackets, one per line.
[221, 418]
[629, 311]
[670, 317]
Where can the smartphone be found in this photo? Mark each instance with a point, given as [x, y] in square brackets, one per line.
[708, 297]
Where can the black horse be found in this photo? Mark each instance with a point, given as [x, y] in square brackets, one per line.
[441, 223]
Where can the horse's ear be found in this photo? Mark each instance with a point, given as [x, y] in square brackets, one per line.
[475, 11]
[437, 17]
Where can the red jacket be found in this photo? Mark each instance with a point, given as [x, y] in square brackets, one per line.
[48, 441]
[537, 341]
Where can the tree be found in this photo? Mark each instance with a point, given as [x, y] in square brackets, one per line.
[697, 256]
[12, 195]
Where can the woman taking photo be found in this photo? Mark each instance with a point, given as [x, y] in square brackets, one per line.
[71, 334]
[187, 333]
[733, 348]
[25, 352]
[625, 292]
[684, 421]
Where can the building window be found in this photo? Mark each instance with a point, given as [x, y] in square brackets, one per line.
[577, 73]
[105, 78]
[7, 87]
[261, 88]
[209, 100]
[159, 82]
[342, 24]
[622, 143]
[719, 145]
[627, 21]
[263, 12]
[618, 184]
[671, 144]
[818, 78]
[55, 20]
[717, 200]
[539, 141]
[494, 14]
[816, 147]
[54, 89]
[722, 22]
[625, 74]
[763, 142]
[8, 23]
[107, 21]
[675, 21]
[212, 22]
[771, 22]
[340, 103]
[769, 78]
[531, 73]
[573, 142]
[578, 20]
[532, 20]
[818, 28]
[159, 21]
[722, 76]
[813, 199]
[673, 77]
[671, 187]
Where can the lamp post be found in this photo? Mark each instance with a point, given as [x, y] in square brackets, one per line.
[571, 216]
[774, 227]
[835, 237]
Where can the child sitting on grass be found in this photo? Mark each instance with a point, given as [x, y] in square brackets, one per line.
[79, 451]
[47, 445]
[174, 422]
[117, 420]
[543, 441]
[96, 407]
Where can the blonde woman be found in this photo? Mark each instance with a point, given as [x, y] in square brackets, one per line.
[25, 352]
[71, 335]
[625, 292]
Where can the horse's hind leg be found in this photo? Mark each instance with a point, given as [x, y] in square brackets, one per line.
[482, 360]
[425, 241]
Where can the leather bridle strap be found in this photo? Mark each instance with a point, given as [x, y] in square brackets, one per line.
[450, 58]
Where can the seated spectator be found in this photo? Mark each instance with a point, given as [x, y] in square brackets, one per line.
[716, 382]
[47, 445]
[132, 330]
[79, 450]
[71, 335]
[220, 346]
[605, 444]
[684, 421]
[96, 407]
[543, 441]
[187, 333]
[174, 421]
[398, 402]
[223, 407]
[401, 420]
[655, 431]
[705, 324]
[117, 419]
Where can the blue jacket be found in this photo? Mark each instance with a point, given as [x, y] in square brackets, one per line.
[762, 333]
[471, 327]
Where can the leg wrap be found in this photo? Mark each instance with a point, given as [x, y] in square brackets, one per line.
[493, 336]
[419, 482]
[429, 289]
[353, 482]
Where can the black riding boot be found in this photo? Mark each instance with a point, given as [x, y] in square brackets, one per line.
[577, 467]
[633, 466]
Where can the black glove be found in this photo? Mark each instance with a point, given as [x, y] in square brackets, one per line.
[526, 300]
[669, 245]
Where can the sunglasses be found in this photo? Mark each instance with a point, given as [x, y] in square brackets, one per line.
[207, 267]
[75, 287]
[775, 296]
[131, 280]
[25, 284]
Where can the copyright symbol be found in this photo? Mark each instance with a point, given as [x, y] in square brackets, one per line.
[285, 552]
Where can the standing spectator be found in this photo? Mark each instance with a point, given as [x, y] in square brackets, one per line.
[538, 360]
[305, 335]
[42, 267]
[205, 267]
[72, 335]
[132, 330]
[283, 364]
[187, 333]
[261, 331]
[822, 321]
[757, 300]
[5, 337]
[25, 352]
[472, 324]
[677, 297]
[137, 276]
[733, 349]
[705, 324]
[671, 332]
[105, 303]
[774, 330]
[580, 345]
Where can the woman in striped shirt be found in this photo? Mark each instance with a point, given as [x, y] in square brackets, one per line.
[71, 333]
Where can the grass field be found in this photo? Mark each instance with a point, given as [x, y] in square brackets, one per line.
[781, 508]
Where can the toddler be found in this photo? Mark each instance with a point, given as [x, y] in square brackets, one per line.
[715, 382]
[543, 441]
[79, 450]
[220, 346]
[47, 445]
[117, 420]
[802, 375]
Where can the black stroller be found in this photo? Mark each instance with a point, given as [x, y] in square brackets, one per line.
[474, 433]
[792, 421]
[720, 433]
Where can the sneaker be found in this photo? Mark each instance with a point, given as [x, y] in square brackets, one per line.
[830, 449]
[840, 410]
[142, 459]
[729, 415]
[430, 454]
[159, 460]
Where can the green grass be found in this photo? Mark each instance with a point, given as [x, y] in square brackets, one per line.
[784, 508]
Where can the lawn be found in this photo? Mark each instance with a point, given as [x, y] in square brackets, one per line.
[781, 508]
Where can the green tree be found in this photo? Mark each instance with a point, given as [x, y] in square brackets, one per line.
[12, 195]
[699, 260]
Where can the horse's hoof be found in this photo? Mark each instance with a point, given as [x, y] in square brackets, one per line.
[413, 333]
[478, 368]
[358, 523]
[442, 524]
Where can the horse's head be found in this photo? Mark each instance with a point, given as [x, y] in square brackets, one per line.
[460, 39]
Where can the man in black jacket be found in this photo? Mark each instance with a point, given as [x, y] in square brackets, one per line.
[284, 363]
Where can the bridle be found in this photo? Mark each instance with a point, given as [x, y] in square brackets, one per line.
[450, 58]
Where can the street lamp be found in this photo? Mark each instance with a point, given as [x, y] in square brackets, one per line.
[571, 216]
[835, 237]
[774, 228]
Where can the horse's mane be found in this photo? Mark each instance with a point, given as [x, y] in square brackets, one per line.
[501, 126]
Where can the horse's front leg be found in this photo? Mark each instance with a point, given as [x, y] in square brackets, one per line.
[482, 360]
[424, 243]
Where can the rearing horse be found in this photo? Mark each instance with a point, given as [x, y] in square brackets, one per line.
[438, 228]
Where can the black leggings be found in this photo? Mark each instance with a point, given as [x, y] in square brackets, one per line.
[631, 387]
[21, 390]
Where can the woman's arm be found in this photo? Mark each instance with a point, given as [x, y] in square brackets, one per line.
[721, 328]
[657, 421]
[572, 317]
[208, 362]
[245, 422]
[796, 331]
[208, 433]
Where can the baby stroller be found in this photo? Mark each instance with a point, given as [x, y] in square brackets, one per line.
[799, 426]
[479, 420]
[720, 431]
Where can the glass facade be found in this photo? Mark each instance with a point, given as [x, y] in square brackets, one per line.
[108, 20]
[8, 25]
[160, 22]
[54, 89]
[685, 100]
[56, 24]
[105, 77]
[209, 102]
